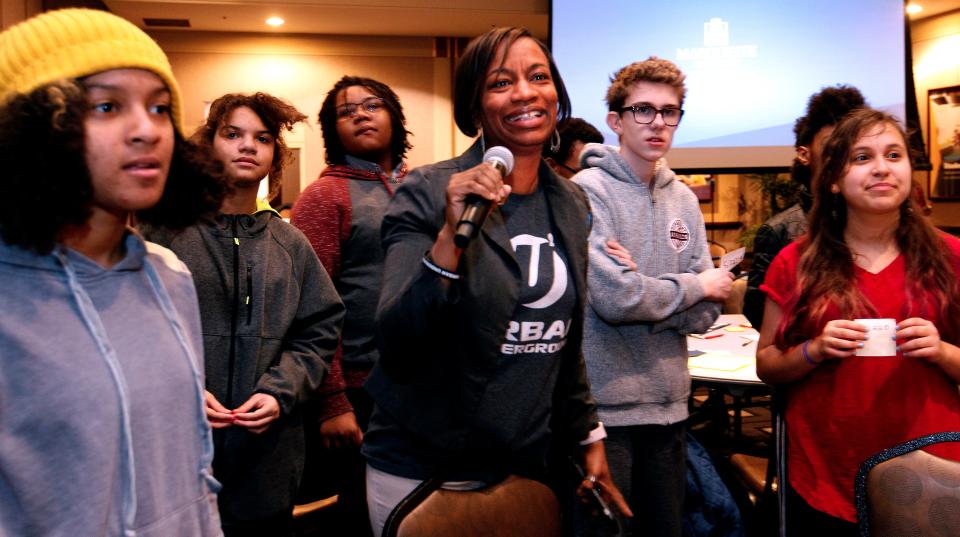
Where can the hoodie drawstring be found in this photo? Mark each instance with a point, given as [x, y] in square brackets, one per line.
[92, 320]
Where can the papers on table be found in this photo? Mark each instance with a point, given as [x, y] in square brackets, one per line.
[720, 361]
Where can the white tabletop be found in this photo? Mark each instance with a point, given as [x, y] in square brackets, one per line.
[730, 352]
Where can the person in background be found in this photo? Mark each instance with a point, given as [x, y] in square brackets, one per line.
[102, 425]
[574, 134]
[868, 254]
[824, 110]
[480, 367]
[634, 340]
[340, 213]
[271, 316]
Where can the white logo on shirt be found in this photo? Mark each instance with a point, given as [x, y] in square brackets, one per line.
[559, 284]
[679, 235]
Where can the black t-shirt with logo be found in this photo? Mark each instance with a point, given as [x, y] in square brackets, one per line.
[511, 425]
[515, 409]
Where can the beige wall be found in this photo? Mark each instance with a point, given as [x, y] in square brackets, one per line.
[14, 11]
[301, 69]
[936, 64]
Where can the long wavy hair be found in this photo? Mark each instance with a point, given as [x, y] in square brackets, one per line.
[826, 275]
[46, 187]
[276, 114]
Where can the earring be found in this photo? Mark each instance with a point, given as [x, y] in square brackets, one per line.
[555, 141]
[483, 143]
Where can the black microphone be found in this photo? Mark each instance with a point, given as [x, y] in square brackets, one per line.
[477, 207]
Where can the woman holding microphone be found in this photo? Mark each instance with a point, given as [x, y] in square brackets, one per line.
[481, 370]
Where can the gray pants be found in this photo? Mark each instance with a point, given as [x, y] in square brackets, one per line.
[648, 464]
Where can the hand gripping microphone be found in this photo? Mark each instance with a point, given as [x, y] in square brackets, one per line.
[477, 208]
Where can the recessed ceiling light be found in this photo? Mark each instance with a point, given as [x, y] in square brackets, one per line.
[275, 21]
[914, 8]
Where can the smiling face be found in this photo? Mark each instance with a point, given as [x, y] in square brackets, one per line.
[877, 179]
[645, 142]
[244, 146]
[129, 139]
[519, 101]
[364, 133]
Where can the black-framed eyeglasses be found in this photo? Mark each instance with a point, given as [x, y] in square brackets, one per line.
[644, 114]
[573, 171]
[371, 105]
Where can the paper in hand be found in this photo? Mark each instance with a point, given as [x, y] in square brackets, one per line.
[732, 259]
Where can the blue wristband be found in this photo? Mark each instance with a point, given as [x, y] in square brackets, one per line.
[806, 355]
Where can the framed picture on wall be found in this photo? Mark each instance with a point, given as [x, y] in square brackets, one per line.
[943, 133]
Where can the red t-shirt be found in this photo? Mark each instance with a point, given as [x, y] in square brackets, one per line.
[846, 410]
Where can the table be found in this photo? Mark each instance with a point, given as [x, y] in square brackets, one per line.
[728, 362]
[730, 357]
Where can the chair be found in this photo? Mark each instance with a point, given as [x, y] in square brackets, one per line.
[734, 302]
[763, 476]
[514, 507]
[904, 490]
[717, 251]
[311, 518]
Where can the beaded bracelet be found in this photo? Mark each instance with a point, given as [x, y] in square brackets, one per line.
[806, 354]
[439, 270]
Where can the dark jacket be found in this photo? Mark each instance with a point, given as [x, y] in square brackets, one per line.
[774, 235]
[441, 338]
[271, 322]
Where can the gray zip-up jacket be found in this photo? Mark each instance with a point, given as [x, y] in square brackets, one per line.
[271, 323]
[635, 329]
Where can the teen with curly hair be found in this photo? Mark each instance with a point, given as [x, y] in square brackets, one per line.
[271, 317]
[868, 254]
[102, 425]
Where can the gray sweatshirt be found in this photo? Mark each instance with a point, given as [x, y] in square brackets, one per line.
[634, 341]
[102, 422]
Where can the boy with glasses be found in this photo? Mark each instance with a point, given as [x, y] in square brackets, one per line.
[641, 309]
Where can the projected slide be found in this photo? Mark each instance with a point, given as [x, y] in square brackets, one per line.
[750, 65]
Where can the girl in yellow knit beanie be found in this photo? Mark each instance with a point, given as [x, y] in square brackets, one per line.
[102, 423]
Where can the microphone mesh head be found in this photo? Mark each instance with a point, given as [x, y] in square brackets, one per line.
[501, 154]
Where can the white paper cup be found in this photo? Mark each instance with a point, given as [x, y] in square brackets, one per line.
[880, 334]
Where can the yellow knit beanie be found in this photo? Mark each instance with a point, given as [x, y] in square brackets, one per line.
[73, 43]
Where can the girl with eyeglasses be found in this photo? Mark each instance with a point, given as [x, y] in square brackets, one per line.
[340, 213]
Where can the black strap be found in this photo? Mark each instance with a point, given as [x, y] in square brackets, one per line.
[408, 504]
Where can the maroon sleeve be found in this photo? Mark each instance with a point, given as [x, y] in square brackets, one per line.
[322, 213]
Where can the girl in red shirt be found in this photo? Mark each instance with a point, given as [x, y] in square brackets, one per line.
[868, 254]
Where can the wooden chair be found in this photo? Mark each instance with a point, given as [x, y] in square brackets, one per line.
[904, 490]
[762, 476]
[717, 251]
[734, 302]
[310, 518]
[515, 507]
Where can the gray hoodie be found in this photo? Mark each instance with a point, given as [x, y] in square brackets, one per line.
[634, 341]
[102, 422]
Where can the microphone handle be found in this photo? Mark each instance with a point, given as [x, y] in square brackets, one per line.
[471, 220]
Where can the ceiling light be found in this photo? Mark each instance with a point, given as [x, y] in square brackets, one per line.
[275, 21]
[914, 8]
